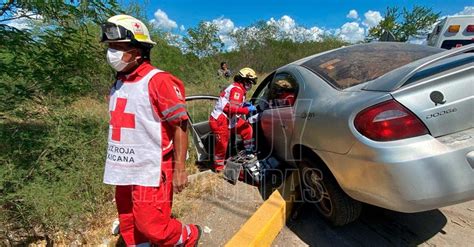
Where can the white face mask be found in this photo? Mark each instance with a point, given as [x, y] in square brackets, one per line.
[114, 58]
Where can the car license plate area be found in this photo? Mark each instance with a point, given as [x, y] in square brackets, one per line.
[461, 139]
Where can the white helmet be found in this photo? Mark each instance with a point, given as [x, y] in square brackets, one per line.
[248, 73]
[125, 28]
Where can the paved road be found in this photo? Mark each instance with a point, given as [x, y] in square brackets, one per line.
[449, 226]
[228, 207]
[223, 211]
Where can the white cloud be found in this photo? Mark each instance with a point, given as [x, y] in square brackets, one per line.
[372, 18]
[225, 28]
[285, 23]
[288, 28]
[468, 10]
[162, 21]
[352, 14]
[229, 43]
[182, 28]
[224, 25]
[315, 33]
[351, 32]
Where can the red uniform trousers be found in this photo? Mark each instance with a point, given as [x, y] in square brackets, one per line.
[220, 128]
[145, 213]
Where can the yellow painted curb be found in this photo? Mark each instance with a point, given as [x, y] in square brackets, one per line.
[265, 224]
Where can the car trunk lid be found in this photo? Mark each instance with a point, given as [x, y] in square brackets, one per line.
[443, 99]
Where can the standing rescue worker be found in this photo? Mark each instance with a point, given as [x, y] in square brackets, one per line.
[147, 141]
[226, 116]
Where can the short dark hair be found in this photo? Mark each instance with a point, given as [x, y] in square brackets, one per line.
[238, 78]
[222, 63]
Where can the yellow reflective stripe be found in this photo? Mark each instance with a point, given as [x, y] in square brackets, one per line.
[141, 37]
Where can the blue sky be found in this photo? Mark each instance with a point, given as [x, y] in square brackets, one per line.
[296, 19]
[349, 20]
[325, 14]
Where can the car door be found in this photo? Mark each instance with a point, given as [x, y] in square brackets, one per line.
[277, 118]
[199, 108]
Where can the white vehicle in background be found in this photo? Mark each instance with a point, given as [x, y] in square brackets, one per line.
[452, 32]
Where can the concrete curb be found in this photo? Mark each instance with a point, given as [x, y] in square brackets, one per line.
[265, 224]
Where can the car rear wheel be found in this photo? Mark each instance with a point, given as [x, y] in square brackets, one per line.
[321, 188]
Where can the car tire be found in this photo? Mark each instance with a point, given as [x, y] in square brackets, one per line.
[321, 189]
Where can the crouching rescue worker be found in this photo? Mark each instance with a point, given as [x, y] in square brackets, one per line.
[147, 139]
[226, 116]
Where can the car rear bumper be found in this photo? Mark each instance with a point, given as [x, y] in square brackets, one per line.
[411, 175]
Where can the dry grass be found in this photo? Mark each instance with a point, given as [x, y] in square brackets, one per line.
[99, 228]
[88, 107]
[99, 231]
[185, 201]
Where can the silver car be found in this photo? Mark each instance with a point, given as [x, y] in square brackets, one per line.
[387, 124]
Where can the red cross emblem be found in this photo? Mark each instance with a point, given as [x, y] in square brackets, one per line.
[137, 25]
[119, 119]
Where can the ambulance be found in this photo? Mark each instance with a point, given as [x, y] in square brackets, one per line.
[452, 32]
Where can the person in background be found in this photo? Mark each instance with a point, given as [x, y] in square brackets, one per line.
[147, 140]
[224, 71]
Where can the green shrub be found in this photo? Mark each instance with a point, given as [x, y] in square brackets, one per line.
[53, 167]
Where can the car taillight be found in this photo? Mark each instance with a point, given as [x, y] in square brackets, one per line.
[388, 121]
[470, 29]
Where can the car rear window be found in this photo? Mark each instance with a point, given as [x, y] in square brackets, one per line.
[356, 64]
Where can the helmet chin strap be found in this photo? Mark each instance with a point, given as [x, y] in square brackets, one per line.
[135, 64]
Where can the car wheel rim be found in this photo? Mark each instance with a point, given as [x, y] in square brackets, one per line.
[321, 197]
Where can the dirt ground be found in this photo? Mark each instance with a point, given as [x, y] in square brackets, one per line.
[227, 207]
[223, 211]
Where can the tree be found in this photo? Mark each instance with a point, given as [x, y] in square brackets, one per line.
[418, 22]
[46, 63]
[389, 23]
[55, 53]
[405, 24]
[255, 35]
[203, 40]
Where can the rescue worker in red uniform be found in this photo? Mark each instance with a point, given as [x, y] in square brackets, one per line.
[284, 93]
[147, 141]
[226, 116]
